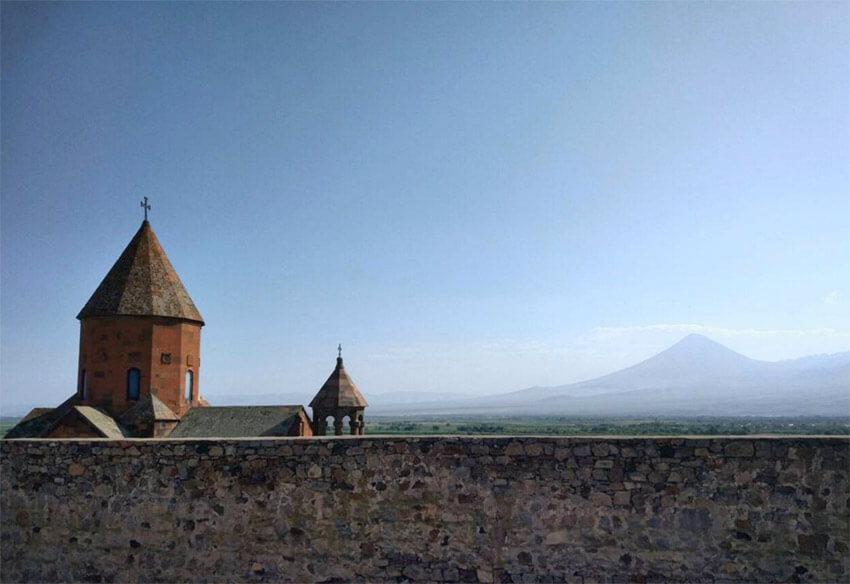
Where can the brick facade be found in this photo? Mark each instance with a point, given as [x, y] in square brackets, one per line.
[162, 349]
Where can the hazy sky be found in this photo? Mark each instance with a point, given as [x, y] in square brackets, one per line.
[471, 197]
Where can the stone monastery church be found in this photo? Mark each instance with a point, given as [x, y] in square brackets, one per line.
[139, 369]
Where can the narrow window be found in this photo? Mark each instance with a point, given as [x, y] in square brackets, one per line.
[84, 385]
[133, 381]
[189, 385]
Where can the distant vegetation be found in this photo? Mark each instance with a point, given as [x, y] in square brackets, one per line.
[580, 426]
[6, 424]
[694, 378]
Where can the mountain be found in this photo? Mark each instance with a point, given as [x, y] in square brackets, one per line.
[696, 376]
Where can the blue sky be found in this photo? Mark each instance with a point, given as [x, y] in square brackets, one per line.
[471, 197]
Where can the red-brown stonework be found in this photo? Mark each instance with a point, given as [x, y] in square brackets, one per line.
[302, 428]
[111, 346]
[139, 365]
[73, 428]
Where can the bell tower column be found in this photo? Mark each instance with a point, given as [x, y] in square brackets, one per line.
[338, 397]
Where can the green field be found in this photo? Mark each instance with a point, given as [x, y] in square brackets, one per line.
[6, 424]
[577, 426]
[573, 426]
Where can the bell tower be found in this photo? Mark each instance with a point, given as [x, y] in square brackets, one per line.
[339, 398]
[140, 333]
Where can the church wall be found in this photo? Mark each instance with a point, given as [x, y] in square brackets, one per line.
[109, 347]
[441, 508]
[303, 427]
[182, 341]
[73, 427]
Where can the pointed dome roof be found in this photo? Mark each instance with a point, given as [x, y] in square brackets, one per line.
[338, 392]
[142, 283]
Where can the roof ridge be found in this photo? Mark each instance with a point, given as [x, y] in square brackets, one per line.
[141, 268]
[122, 277]
[148, 265]
[101, 421]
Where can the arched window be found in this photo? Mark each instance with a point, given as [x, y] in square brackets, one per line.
[189, 384]
[84, 385]
[134, 377]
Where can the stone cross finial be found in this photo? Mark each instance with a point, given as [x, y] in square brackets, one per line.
[146, 206]
[339, 351]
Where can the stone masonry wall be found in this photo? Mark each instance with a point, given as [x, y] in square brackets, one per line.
[408, 508]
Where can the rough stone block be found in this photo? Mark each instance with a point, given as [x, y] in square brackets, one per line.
[426, 509]
[739, 448]
[533, 450]
[557, 537]
[601, 499]
[581, 450]
[600, 450]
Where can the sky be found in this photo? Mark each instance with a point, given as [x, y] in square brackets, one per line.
[472, 198]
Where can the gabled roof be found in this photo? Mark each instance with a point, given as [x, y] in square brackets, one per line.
[239, 421]
[142, 283]
[36, 424]
[32, 426]
[35, 413]
[147, 410]
[101, 421]
[338, 392]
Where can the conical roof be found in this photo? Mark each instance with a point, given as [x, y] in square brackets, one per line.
[142, 283]
[338, 392]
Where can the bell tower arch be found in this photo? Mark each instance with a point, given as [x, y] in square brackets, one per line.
[337, 399]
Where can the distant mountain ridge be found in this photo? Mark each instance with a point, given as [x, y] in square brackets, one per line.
[696, 376]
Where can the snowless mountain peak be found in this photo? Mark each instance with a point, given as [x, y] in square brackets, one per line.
[696, 376]
[697, 341]
[699, 348]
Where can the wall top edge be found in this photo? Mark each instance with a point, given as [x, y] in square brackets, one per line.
[421, 438]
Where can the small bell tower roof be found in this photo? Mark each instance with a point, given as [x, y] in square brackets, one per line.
[338, 391]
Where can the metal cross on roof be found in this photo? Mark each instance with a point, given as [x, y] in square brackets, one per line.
[146, 206]
[339, 351]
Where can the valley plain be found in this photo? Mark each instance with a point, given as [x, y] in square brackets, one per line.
[608, 426]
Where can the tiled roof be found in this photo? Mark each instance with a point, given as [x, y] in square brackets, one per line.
[238, 421]
[35, 426]
[41, 425]
[142, 283]
[338, 392]
[102, 422]
[35, 413]
[147, 410]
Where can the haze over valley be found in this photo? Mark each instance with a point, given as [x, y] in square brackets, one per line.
[695, 377]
